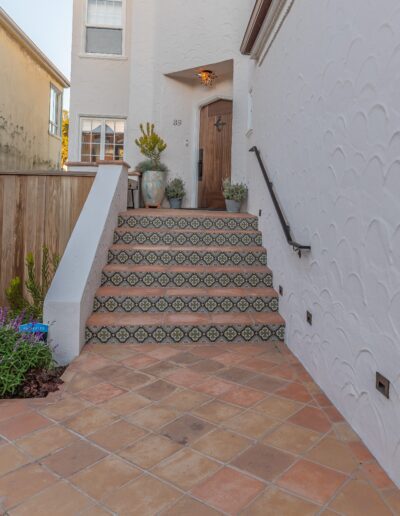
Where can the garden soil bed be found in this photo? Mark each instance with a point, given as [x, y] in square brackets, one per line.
[39, 383]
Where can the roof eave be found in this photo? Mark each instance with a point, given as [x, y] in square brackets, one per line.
[255, 24]
[11, 27]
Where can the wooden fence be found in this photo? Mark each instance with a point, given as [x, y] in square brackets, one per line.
[36, 209]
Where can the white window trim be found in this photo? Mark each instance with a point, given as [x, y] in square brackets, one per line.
[59, 115]
[250, 112]
[103, 120]
[85, 26]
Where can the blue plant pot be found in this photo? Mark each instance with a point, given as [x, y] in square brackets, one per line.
[175, 204]
[232, 206]
[153, 188]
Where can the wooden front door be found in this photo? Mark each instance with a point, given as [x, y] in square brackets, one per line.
[215, 152]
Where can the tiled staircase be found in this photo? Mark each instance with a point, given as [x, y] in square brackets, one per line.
[186, 277]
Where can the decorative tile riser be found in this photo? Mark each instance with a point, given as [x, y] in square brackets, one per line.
[244, 223]
[184, 334]
[186, 279]
[196, 238]
[192, 304]
[176, 257]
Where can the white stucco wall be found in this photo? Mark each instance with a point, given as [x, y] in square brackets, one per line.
[186, 34]
[100, 85]
[163, 38]
[69, 301]
[327, 120]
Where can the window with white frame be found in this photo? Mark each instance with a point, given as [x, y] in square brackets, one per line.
[102, 139]
[104, 27]
[55, 117]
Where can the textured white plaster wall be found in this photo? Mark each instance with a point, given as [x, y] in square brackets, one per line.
[327, 120]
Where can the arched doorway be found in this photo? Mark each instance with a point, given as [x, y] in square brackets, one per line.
[214, 152]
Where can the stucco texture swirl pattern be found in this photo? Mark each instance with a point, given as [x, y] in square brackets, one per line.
[326, 118]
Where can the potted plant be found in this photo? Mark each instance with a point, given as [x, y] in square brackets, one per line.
[175, 192]
[235, 194]
[153, 172]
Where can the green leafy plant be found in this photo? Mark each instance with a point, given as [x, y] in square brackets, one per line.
[36, 286]
[146, 165]
[20, 353]
[151, 145]
[234, 191]
[175, 189]
[14, 295]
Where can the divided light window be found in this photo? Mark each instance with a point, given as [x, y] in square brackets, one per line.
[104, 27]
[102, 139]
[55, 118]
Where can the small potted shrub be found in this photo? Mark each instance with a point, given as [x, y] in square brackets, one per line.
[235, 194]
[153, 172]
[175, 192]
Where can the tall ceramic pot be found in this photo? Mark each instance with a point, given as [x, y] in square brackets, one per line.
[153, 188]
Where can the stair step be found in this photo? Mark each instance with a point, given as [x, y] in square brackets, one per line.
[184, 327]
[186, 276]
[188, 255]
[187, 219]
[190, 237]
[180, 300]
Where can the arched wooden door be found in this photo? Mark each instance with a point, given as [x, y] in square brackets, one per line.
[215, 152]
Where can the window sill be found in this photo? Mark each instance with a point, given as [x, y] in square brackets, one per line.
[103, 56]
[56, 136]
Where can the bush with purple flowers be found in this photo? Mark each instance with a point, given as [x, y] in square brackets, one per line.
[20, 353]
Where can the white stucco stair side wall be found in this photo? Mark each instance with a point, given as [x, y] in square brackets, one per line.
[69, 301]
[327, 121]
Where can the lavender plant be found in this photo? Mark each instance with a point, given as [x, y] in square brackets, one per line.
[20, 353]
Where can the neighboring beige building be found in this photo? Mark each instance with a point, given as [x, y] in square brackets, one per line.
[31, 92]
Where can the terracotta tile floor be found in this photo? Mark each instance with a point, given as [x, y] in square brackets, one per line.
[186, 431]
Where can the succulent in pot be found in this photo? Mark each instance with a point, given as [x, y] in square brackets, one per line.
[235, 194]
[153, 172]
[175, 192]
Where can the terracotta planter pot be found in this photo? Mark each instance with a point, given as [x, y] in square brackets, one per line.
[153, 188]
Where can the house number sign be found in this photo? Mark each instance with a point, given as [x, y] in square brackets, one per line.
[177, 123]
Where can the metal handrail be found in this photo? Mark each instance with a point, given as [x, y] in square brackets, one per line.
[298, 248]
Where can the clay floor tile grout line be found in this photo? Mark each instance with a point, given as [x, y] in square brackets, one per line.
[337, 492]
[366, 479]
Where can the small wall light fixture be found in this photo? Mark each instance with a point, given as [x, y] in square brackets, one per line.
[207, 77]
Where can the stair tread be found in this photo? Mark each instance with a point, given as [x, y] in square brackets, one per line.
[119, 267]
[183, 319]
[168, 291]
[184, 248]
[182, 213]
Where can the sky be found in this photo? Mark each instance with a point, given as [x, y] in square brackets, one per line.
[49, 25]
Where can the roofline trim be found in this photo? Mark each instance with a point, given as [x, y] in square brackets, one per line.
[10, 26]
[266, 20]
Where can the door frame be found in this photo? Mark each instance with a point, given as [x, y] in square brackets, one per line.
[199, 107]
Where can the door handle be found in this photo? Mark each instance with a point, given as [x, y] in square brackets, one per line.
[200, 164]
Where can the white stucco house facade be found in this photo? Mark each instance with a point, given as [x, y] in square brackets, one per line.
[314, 86]
[150, 75]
